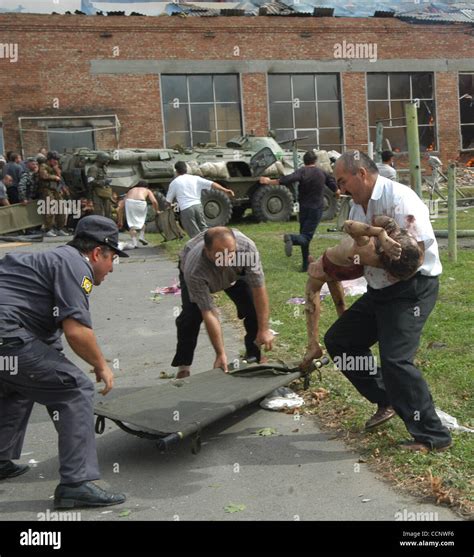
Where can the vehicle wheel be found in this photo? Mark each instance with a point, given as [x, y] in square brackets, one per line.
[272, 203]
[331, 205]
[217, 207]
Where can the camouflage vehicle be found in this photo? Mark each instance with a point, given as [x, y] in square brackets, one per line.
[238, 166]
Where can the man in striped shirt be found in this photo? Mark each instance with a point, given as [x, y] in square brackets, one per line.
[219, 259]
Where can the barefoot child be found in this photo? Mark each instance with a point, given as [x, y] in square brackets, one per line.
[383, 245]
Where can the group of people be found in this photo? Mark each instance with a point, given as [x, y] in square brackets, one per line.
[390, 241]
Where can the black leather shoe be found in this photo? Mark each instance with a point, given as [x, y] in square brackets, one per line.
[8, 469]
[87, 494]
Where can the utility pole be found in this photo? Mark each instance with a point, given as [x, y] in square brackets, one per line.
[411, 115]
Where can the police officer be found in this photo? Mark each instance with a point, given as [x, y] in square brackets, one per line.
[51, 194]
[101, 192]
[43, 295]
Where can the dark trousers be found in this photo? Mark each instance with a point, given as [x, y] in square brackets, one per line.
[189, 322]
[44, 375]
[393, 316]
[309, 220]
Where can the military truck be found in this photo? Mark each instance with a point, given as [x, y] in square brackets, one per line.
[237, 166]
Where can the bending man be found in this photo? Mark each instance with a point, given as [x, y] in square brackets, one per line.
[220, 259]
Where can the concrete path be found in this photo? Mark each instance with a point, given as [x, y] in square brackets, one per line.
[299, 474]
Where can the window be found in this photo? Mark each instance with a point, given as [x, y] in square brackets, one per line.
[306, 107]
[200, 109]
[62, 139]
[387, 95]
[466, 109]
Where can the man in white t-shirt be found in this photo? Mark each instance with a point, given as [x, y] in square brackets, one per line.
[386, 166]
[186, 189]
[392, 312]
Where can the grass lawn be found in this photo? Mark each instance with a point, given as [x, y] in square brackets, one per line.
[448, 367]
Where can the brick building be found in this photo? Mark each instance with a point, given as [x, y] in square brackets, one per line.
[160, 81]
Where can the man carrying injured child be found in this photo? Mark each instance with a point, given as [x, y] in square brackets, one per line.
[383, 245]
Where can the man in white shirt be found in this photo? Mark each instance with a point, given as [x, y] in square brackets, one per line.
[392, 312]
[386, 166]
[186, 189]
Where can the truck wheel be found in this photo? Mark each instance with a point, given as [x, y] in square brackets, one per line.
[272, 203]
[217, 207]
[331, 205]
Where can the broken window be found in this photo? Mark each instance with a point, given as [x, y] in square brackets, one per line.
[466, 109]
[307, 107]
[200, 109]
[387, 94]
[68, 139]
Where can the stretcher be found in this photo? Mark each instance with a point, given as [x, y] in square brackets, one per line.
[182, 408]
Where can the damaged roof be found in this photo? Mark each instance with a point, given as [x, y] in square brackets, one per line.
[442, 11]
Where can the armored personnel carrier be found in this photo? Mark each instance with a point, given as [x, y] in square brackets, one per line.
[238, 166]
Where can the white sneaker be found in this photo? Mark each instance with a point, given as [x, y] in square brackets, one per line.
[62, 233]
[51, 234]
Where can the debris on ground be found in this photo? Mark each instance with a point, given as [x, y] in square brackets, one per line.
[296, 301]
[234, 508]
[173, 289]
[283, 397]
[451, 422]
[266, 431]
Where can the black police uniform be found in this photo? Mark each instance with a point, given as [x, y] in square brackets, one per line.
[37, 292]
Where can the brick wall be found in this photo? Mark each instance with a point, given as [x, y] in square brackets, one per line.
[55, 54]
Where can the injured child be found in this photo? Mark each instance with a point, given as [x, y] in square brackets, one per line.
[383, 245]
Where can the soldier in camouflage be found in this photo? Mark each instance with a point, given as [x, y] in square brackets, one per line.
[100, 190]
[28, 187]
[50, 185]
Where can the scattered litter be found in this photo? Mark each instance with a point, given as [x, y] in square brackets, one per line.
[296, 301]
[295, 430]
[174, 289]
[451, 423]
[178, 382]
[283, 397]
[33, 462]
[156, 298]
[106, 512]
[274, 333]
[233, 508]
[266, 431]
[41, 476]
[366, 500]
[361, 459]
[275, 322]
[27, 454]
[164, 375]
[435, 345]
[123, 514]
[351, 288]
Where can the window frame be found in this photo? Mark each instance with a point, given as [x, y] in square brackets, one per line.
[389, 100]
[470, 149]
[188, 104]
[339, 102]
